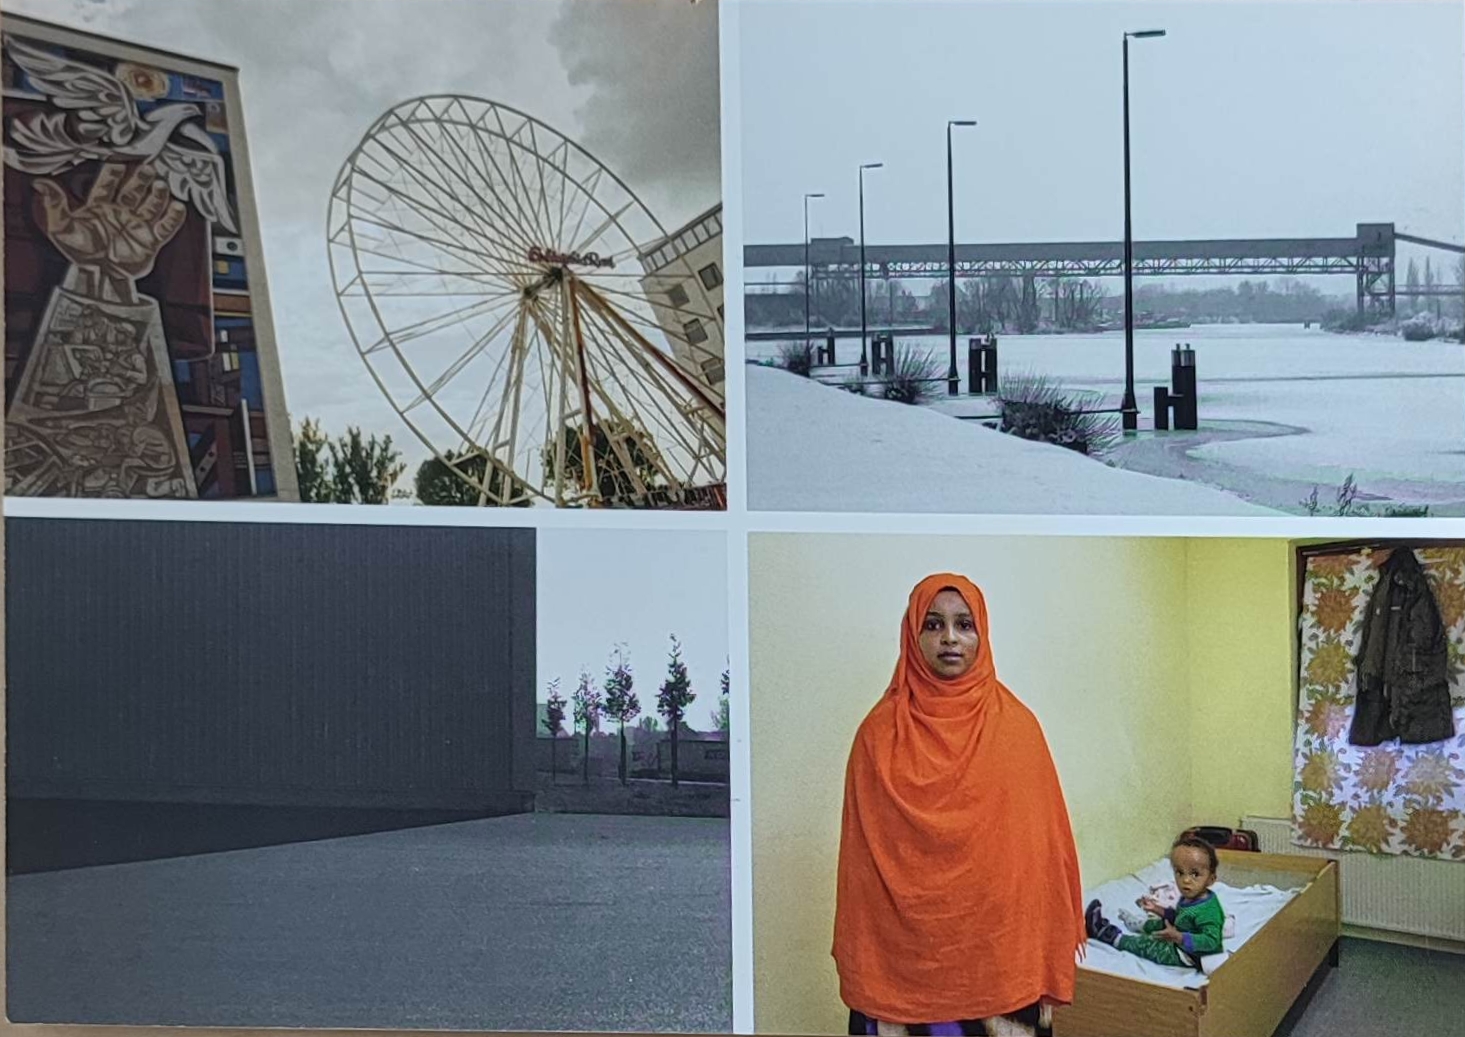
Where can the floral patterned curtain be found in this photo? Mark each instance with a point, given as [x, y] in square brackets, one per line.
[1393, 798]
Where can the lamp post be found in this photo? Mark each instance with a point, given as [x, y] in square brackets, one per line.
[808, 281]
[864, 326]
[952, 378]
[1129, 406]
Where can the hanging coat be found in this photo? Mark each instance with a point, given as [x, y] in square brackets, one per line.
[1403, 660]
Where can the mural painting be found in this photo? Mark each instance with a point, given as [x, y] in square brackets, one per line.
[138, 358]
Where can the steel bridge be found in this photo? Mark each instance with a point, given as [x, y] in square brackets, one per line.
[1369, 256]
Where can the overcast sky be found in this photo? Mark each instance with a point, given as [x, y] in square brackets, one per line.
[600, 588]
[634, 81]
[1249, 119]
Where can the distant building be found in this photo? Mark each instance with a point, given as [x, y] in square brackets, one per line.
[683, 281]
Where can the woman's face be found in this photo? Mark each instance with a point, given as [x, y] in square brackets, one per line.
[949, 638]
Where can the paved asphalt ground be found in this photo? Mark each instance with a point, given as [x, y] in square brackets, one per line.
[542, 922]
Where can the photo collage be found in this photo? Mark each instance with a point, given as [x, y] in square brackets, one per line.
[871, 517]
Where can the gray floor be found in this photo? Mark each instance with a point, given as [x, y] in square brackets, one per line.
[1382, 988]
[541, 922]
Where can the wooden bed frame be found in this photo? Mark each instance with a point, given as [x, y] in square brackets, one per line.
[1251, 992]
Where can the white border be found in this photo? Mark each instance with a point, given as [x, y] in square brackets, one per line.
[739, 701]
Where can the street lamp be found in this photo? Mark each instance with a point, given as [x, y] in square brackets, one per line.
[1129, 405]
[864, 326]
[952, 378]
[808, 282]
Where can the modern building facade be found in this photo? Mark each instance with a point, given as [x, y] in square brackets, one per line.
[683, 280]
[322, 668]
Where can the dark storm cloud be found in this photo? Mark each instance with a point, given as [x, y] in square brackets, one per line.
[650, 68]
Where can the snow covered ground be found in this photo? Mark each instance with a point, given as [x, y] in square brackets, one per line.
[816, 448]
[1282, 409]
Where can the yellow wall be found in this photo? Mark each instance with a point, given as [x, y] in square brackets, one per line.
[1241, 614]
[1089, 632]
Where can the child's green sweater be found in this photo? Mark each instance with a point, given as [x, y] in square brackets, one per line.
[1200, 922]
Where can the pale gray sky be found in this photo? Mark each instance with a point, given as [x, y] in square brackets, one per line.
[634, 81]
[1248, 120]
[600, 588]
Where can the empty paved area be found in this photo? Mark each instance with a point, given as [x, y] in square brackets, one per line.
[545, 922]
[1383, 988]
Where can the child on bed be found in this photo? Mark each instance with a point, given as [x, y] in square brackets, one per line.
[1173, 936]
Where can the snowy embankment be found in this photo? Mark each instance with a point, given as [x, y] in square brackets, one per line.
[816, 448]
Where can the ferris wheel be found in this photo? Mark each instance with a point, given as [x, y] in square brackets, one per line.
[488, 270]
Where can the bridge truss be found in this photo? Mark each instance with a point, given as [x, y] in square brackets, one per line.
[1369, 256]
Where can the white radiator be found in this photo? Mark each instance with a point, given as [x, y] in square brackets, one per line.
[1412, 895]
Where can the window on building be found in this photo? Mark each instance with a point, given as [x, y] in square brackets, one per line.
[711, 276]
[712, 370]
[695, 332]
[720, 314]
[678, 296]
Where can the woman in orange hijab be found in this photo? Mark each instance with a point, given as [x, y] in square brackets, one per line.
[959, 905]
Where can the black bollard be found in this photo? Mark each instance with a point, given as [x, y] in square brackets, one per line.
[975, 372]
[989, 365]
[1183, 388]
[825, 353]
[1162, 408]
[884, 355]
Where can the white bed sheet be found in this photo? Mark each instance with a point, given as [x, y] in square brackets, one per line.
[1252, 906]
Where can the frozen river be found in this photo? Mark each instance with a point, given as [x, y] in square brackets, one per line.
[1282, 408]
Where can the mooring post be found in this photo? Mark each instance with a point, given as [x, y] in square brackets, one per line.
[1162, 409]
[1183, 385]
[989, 365]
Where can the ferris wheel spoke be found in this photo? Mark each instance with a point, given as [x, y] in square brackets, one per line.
[609, 222]
[478, 207]
[611, 352]
[515, 377]
[514, 162]
[478, 345]
[587, 192]
[563, 151]
[500, 184]
[461, 253]
[434, 215]
[480, 289]
[523, 234]
[431, 325]
[620, 353]
[543, 187]
[424, 270]
[650, 324]
[650, 352]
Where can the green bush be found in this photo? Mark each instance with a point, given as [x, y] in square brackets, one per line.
[916, 377]
[1032, 407]
[796, 358]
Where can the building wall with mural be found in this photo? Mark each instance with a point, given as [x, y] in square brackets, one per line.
[139, 354]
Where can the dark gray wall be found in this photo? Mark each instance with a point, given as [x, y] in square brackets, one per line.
[271, 664]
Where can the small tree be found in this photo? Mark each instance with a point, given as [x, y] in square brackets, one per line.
[588, 707]
[723, 717]
[621, 704]
[554, 723]
[312, 463]
[363, 469]
[675, 696]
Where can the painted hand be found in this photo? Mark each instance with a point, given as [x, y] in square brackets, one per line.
[115, 235]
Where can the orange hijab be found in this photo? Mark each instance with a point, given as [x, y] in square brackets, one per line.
[959, 894]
